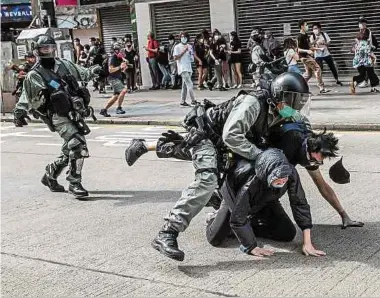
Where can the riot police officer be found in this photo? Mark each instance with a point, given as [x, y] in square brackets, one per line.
[52, 93]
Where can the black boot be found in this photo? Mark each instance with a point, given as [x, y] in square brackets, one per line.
[53, 184]
[135, 150]
[76, 189]
[166, 243]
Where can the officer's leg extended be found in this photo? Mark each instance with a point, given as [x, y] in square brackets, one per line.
[192, 200]
[54, 169]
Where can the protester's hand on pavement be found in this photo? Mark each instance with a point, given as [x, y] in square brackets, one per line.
[309, 250]
[261, 252]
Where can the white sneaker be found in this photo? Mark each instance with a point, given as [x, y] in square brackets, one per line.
[240, 86]
[363, 84]
[253, 85]
[234, 86]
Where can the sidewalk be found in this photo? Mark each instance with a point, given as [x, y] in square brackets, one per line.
[336, 110]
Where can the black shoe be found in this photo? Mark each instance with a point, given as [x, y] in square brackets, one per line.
[104, 113]
[152, 88]
[339, 83]
[53, 185]
[210, 85]
[166, 243]
[78, 190]
[222, 89]
[215, 200]
[120, 111]
[184, 104]
[134, 151]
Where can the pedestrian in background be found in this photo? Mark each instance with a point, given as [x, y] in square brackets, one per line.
[200, 60]
[291, 55]
[217, 53]
[183, 54]
[235, 59]
[130, 56]
[321, 41]
[163, 65]
[152, 51]
[175, 78]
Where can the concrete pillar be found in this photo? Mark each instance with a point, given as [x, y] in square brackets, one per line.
[144, 25]
[222, 13]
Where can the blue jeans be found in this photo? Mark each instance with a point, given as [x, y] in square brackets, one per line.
[294, 68]
[166, 79]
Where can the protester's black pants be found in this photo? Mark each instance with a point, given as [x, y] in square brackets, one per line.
[330, 62]
[366, 71]
[130, 77]
[270, 222]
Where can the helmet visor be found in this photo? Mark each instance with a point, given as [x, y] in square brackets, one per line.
[297, 101]
[47, 51]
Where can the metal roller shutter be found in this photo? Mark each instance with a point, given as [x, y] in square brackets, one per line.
[174, 17]
[338, 18]
[115, 22]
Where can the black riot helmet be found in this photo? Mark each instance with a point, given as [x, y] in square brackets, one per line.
[45, 46]
[291, 88]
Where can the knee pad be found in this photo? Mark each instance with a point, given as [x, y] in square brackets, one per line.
[78, 148]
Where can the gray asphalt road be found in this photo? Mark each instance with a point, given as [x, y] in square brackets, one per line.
[54, 245]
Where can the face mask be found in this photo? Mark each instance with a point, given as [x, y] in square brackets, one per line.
[265, 36]
[306, 28]
[201, 41]
[183, 40]
[361, 26]
[287, 112]
[316, 31]
[216, 37]
[171, 41]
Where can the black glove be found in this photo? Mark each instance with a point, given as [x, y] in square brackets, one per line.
[19, 118]
[194, 137]
[171, 136]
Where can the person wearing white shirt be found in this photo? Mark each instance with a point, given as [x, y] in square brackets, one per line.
[183, 54]
[291, 55]
[320, 40]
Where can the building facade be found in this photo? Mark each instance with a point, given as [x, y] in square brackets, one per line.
[338, 18]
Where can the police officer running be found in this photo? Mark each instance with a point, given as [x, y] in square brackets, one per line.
[52, 93]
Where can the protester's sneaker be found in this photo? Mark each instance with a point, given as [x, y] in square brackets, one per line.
[184, 104]
[363, 84]
[375, 90]
[120, 111]
[166, 243]
[134, 151]
[240, 86]
[352, 88]
[339, 83]
[104, 113]
[324, 90]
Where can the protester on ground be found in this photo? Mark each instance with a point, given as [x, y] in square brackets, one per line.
[291, 55]
[183, 54]
[130, 56]
[306, 53]
[175, 77]
[152, 52]
[200, 60]
[364, 61]
[236, 58]
[321, 41]
[116, 66]
[217, 54]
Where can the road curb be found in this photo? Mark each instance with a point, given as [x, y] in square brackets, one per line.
[318, 126]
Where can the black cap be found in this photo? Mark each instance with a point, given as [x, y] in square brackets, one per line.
[170, 37]
[362, 19]
[338, 173]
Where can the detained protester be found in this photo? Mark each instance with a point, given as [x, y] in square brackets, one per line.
[116, 66]
[255, 208]
[183, 54]
[237, 125]
[321, 41]
[52, 93]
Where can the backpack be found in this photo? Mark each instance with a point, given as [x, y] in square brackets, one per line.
[323, 35]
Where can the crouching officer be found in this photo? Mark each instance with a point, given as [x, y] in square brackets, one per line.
[51, 92]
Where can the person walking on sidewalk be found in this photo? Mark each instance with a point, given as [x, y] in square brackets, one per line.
[321, 41]
[306, 54]
[364, 62]
[115, 67]
[183, 54]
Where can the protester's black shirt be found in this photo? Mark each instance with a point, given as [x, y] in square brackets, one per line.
[218, 49]
[130, 56]
[115, 61]
[163, 57]
[303, 43]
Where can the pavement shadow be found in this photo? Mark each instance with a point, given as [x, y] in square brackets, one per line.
[124, 198]
[359, 245]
